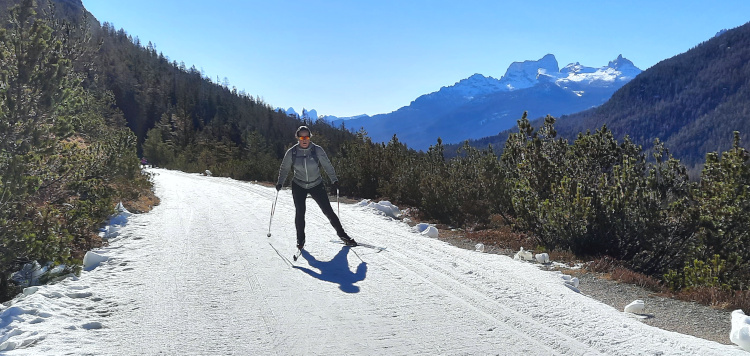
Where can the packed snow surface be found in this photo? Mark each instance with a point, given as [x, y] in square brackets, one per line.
[198, 276]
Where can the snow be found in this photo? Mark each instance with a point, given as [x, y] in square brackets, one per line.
[382, 207]
[115, 223]
[521, 75]
[92, 260]
[526, 74]
[311, 114]
[529, 73]
[740, 333]
[523, 255]
[636, 307]
[542, 257]
[197, 276]
[427, 230]
[473, 86]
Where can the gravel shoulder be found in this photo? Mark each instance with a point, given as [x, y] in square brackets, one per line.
[666, 313]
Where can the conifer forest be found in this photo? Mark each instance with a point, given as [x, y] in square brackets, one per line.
[82, 103]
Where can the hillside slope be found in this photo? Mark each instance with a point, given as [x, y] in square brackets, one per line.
[692, 102]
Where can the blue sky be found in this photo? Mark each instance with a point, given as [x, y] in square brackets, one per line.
[355, 57]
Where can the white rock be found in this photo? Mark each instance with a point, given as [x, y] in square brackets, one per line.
[479, 247]
[740, 334]
[208, 173]
[636, 307]
[542, 257]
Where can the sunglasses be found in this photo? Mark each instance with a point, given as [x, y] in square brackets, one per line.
[304, 138]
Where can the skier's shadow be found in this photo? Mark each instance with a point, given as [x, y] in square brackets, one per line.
[336, 270]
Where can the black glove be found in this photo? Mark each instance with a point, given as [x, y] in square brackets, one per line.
[335, 187]
[278, 187]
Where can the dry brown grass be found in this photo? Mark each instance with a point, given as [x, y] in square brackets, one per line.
[143, 203]
[615, 270]
[604, 264]
[89, 242]
[716, 297]
[625, 275]
[563, 256]
[136, 195]
[502, 236]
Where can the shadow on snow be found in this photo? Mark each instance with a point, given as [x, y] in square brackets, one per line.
[336, 270]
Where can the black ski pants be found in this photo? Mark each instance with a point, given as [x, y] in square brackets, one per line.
[318, 193]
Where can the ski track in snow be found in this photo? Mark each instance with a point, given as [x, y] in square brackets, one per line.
[198, 276]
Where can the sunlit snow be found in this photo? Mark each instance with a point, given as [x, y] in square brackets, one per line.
[199, 276]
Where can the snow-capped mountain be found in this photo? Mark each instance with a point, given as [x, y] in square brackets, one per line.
[480, 106]
[526, 74]
[312, 114]
[332, 118]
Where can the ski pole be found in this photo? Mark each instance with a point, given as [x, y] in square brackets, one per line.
[273, 209]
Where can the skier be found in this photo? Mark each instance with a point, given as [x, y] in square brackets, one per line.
[306, 158]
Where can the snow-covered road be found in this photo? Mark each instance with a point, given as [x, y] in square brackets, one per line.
[199, 276]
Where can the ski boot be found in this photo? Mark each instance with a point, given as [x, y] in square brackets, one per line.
[348, 240]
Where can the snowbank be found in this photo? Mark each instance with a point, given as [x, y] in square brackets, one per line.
[33, 274]
[46, 306]
[523, 255]
[391, 211]
[542, 257]
[92, 260]
[740, 334]
[382, 207]
[115, 223]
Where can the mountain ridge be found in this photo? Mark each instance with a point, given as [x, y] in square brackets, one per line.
[480, 106]
[692, 102]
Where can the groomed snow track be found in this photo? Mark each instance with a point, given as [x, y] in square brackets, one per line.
[199, 276]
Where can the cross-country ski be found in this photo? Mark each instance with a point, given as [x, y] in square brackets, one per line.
[361, 244]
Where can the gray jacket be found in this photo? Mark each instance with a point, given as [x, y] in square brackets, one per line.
[306, 169]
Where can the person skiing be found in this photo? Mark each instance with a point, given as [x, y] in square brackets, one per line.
[306, 158]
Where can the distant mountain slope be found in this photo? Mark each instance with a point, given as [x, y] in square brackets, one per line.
[480, 106]
[66, 9]
[692, 101]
